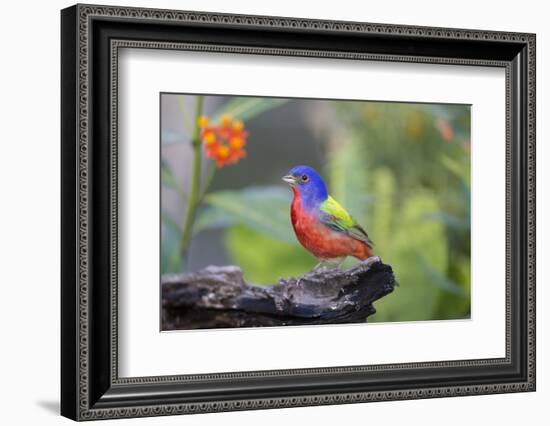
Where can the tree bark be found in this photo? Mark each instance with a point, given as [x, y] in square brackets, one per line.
[219, 297]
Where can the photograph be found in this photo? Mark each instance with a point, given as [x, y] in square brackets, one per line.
[266, 209]
[293, 211]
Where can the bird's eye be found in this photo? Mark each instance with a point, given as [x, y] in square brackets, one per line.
[304, 178]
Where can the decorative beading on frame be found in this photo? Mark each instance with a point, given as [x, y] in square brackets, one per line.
[303, 401]
[86, 12]
[305, 24]
[83, 223]
[531, 199]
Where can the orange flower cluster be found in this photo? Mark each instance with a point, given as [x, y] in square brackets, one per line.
[224, 143]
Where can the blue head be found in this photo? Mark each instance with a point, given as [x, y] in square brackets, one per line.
[308, 184]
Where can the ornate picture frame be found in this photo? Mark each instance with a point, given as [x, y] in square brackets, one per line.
[91, 38]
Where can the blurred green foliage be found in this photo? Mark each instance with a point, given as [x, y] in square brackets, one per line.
[265, 259]
[415, 165]
[402, 170]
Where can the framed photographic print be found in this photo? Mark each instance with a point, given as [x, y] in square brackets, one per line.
[264, 212]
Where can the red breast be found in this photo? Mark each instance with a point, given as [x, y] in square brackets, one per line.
[319, 239]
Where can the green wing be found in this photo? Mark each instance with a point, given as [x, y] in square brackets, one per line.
[336, 217]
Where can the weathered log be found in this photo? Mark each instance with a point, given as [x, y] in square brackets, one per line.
[218, 297]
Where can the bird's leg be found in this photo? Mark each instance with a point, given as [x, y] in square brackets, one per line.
[336, 262]
[320, 265]
[328, 263]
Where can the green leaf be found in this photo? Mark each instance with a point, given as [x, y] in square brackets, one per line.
[439, 279]
[450, 220]
[238, 107]
[264, 209]
[168, 178]
[248, 108]
[418, 295]
[170, 136]
[384, 210]
[187, 121]
[264, 260]
[212, 218]
[349, 177]
[170, 258]
[457, 305]
[455, 166]
[170, 223]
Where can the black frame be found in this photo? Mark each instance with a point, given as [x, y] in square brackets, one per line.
[91, 37]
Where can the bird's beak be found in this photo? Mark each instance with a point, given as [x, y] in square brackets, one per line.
[291, 180]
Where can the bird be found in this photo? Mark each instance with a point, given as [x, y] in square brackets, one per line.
[321, 224]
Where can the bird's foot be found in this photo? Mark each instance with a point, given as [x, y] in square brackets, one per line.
[319, 267]
[323, 265]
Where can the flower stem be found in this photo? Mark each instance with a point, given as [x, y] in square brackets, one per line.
[194, 196]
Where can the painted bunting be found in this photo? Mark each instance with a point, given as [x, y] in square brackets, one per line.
[321, 224]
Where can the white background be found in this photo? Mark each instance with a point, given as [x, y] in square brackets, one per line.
[29, 225]
[146, 352]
